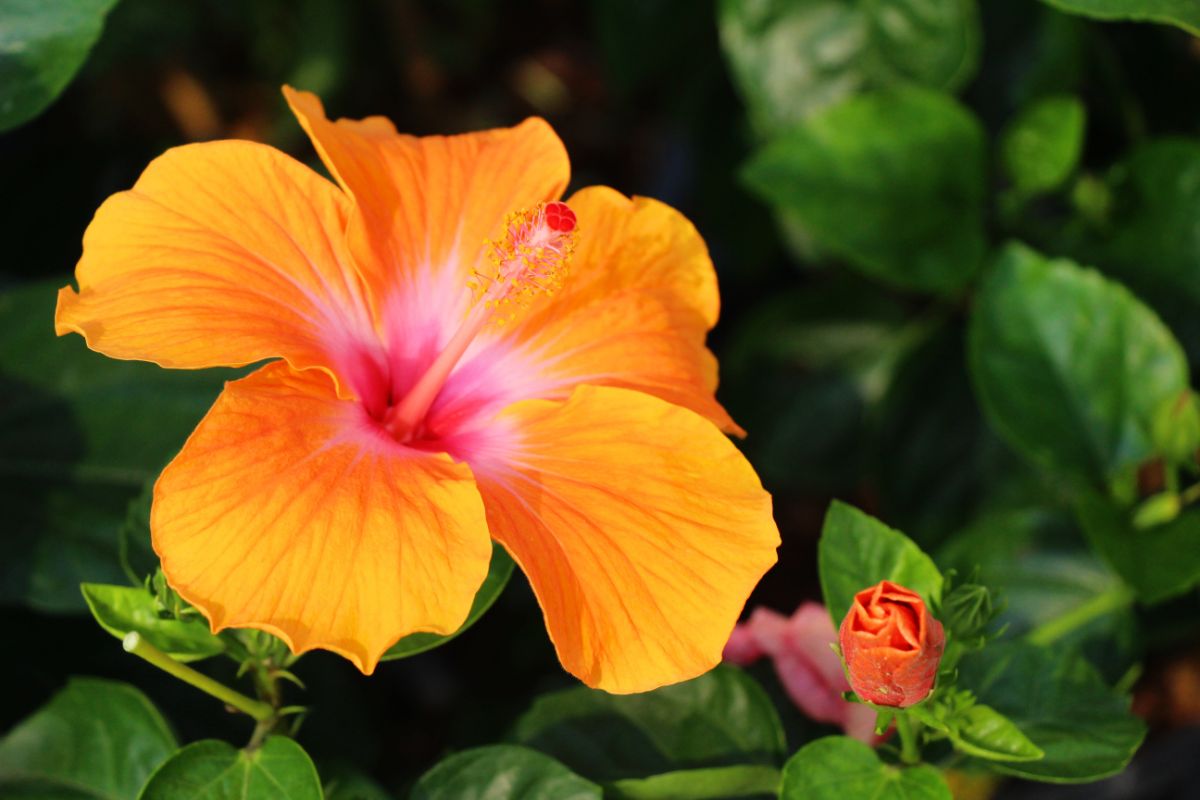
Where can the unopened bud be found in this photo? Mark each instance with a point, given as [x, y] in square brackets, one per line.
[891, 646]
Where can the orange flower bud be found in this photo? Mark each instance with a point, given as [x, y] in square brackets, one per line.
[891, 645]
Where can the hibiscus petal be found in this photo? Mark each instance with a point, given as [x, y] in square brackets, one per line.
[427, 204]
[640, 526]
[639, 299]
[288, 511]
[223, 253]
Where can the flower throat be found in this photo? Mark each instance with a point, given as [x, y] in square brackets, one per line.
[528, 260]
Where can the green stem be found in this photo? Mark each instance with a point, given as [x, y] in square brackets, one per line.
[261, 712]
[907, 728]
[1172, 478]
[1106, 602]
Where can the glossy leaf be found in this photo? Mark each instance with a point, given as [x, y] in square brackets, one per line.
[792, 58]
[98, 738]
[893, 183]
[839, 768]
[215, 770]
[1183, 13]
[1158, 562]
[499, 572]
[121, 609]
[43, 43]
[1055, 697]
[857, 551]
[721, 718]
[1041, 147]
[503, 772]
[1070, 367]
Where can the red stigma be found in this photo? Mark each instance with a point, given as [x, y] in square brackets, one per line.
[560, 217]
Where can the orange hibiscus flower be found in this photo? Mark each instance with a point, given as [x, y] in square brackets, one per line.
[441, 381]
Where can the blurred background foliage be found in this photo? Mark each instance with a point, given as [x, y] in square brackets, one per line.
[855, 166]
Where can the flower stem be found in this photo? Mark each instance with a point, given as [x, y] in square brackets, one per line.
[134, 643]
[907, 728]
[1049, 632]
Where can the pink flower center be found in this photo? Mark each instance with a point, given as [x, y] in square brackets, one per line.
[527, 261]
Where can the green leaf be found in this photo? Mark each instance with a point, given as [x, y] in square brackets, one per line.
[121, 609]
[893, 183]
[720, 783]
[839, 768]
[1041, 147]
[722, 718]
[1146, 236]
[343, 782]
[214, 770]
[96, 739]
[1158, 562]
[808, 365]
[134, 548]
[934, 456]
[499, 571]
[502, 772]
[43, 43]
[792, 58]
[1070, 367]
[1183, 13]
[983, 732]
[56, 538]
[1057, 700]
[80, 435]
[1054, 589]
[857, 551]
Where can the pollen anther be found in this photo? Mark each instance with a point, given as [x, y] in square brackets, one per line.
[528, 260]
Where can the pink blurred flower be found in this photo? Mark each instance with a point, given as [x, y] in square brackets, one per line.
[808, 668]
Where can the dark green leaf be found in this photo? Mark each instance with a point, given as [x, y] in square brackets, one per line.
[503, 772]
[1184, 13]
[807, 365]
[1147, 237]
[95, 738]
[121, 609]
[56, 538]
[80, 435]
[134, 548]
[213, 770]
[1041, 148]
[935, 459]
[43, 43]
[721, 783]
[893, 183]
[1053, 588]
[499, 571]
[1158, 562]
[1070, 367]
[857, 551]
[792, 58]
[343, 782]
[985, 733]
[721, 718]
[840, 768]
[1055, 697]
